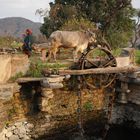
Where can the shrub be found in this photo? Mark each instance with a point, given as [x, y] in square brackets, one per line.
[14, 78]
[137, 56]
[88, 106]
[36, 68]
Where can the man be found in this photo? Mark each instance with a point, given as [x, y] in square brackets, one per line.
[27, 42]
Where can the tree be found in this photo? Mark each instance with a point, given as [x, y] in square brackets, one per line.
[113, 16]
[136, 29]
[78, 24]
[41, 12]
[58, 14]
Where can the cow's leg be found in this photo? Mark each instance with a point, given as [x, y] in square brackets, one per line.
[78, 49]
[43, 53]
[54, 56]
[49, 55]
[54, 53]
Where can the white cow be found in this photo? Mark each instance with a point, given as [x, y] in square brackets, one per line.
[78, 40]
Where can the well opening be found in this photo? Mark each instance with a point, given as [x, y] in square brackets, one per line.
[31, 93]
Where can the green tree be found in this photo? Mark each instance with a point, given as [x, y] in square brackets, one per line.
[113, 16]
[78, 24]
[58, 14]
[136, 29]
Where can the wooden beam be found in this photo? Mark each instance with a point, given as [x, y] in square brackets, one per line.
[126, 69]
[51, 79]
[29, 79]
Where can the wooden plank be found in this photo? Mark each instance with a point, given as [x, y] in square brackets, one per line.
[126, 69]
[29, 79]
[51, 79]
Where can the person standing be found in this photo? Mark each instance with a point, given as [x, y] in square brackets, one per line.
[27, 49]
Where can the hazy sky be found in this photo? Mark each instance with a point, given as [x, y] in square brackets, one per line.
[22, 8]
[27, 8]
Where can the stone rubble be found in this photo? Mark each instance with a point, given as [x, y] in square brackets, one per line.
[17, 131]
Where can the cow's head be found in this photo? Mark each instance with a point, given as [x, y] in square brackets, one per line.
[91, 36]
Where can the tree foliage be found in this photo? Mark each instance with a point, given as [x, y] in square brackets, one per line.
[113, 16]
[78, 24]
[136, 30]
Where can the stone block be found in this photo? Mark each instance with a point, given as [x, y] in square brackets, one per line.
[6, 91]
[26, 138]
[19, 63]
[16, 88]
[29, 126]
[47, 94]
[53, 85]
[18, 124]
[56, 85]
[55, 79]
[2, 136]
[44, 102]
[14, 137]
[46, 109]
[45, 125]
[9, 134]
[16, 131]
[67, 77]
[12, 64]
[48, 117]
[45, 83]
[54, 76]
[4, 131]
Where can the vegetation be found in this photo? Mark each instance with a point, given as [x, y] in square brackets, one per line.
[116, 52]
[36, 68]
[14, 78]
[88, 106]
[9, 42]
[136, 30]
[114, 18]
[11, 112]
[137, 56]
[78, 24]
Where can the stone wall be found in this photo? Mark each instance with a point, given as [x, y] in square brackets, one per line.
[47, 106]
[19, 63]
[127, 107]
[6, 102]
[134, 95]
[11, 64]
[63, 102]
[34, 109]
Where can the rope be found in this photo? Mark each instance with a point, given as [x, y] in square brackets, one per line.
[79, 108]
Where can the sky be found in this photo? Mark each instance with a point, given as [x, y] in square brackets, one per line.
[22, 8]
[27, 8]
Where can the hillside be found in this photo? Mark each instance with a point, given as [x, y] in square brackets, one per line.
[15, 26]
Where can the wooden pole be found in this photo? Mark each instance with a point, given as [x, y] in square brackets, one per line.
[126, 69]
